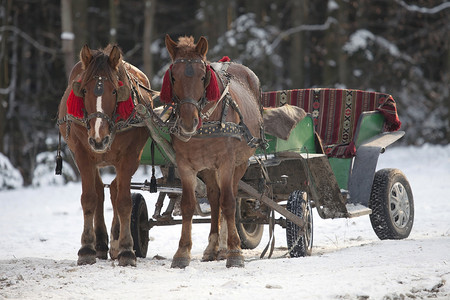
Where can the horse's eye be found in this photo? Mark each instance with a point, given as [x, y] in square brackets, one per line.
[203, 78]
[114, 92]
[83, 91]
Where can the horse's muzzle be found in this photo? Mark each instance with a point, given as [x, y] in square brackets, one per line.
[100, 146]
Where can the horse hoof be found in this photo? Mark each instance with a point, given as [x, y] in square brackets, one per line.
[236, 261]
[86, 256]
[209, 256]
[102, 251]
[127, 258]
[114, 250]
[180, 262]
[222, 255]
[102, 254]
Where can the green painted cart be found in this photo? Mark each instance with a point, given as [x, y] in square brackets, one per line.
[328, 163]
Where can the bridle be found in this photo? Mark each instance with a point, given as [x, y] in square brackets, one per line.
[98, 91]
[189, 72]
[120, 94]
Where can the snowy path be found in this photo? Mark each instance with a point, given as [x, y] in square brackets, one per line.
[41, 228]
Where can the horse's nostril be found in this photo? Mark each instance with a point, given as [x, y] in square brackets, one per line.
[106, 140]
[91, 141]
[195, 122]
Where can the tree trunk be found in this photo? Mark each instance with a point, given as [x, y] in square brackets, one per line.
[4, 76]
[150, 8]
[296, 65]
[67, 35]
[113, 16]
[80, 28]
[335, 68]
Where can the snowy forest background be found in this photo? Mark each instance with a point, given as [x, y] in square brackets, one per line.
[392, 46]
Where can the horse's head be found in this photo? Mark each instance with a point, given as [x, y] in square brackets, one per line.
[100, 89]
[188, 81]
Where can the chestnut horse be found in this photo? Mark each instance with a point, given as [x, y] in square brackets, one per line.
[219, 160]
[96, 111]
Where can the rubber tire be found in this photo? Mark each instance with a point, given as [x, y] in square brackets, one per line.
[299, 204]
[381, 218]
[139, 221]
[249, 234]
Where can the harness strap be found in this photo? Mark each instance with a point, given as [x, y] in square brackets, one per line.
[209, 112]
[214, 129]
[58, 169]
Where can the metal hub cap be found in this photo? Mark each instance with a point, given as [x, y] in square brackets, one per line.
[399, 205]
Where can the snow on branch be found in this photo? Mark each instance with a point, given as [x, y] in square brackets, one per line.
[300, 28]
[359, 40]
[424, 10]
[29, 39]
[5, 91]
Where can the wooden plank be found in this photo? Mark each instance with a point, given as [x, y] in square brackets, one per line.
[272, 204]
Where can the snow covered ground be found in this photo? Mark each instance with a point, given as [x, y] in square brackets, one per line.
[41, 227]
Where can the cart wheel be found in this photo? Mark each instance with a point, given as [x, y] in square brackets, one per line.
[392, 205]
[250, 234]
[139, 225]
[299, 245]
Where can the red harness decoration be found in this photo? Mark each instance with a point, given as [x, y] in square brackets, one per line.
[225, 59]
[124, 108]
[166, 89]
[75, 106]
[212, 90]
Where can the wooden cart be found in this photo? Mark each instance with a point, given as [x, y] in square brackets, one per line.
[328, 163]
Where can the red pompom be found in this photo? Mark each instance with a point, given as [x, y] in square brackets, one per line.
[75, 105]
[212, 90]
[225, 59]
[166, 90]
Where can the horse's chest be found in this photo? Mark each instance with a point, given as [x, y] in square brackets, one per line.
[206, 153]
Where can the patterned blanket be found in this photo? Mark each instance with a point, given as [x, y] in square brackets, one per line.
[336, 112]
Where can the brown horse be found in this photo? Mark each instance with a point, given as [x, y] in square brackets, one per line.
[95, 113]
[219, 160]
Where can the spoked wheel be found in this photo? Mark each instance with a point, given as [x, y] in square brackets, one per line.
[250, 234]
[299, 244]
[392, 205]
[139, 225]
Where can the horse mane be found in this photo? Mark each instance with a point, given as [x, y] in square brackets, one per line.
[99, 63]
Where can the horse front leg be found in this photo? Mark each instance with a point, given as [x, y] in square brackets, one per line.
[212, 250]
[87, 252]
[123, 207]
[228, 206]
[101, 235]
[115, 225]
[182, 257]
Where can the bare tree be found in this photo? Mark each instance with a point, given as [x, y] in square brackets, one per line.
[113, 17]
[149, 13]
[67, 35]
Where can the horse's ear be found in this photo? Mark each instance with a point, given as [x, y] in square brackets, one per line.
[171, 46]
[123, 93]
[85, 56]
[202, 46]
[76, 88]
[114, 57]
